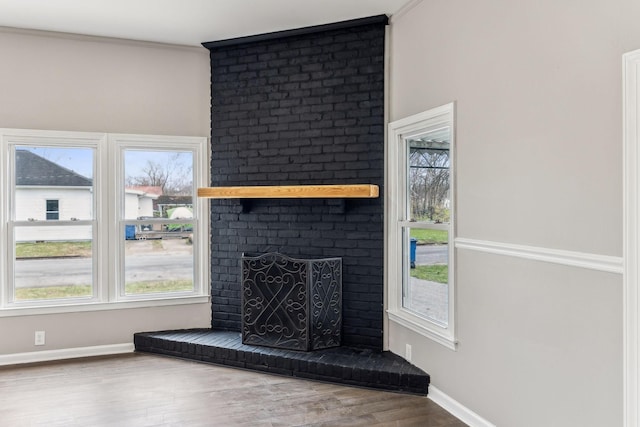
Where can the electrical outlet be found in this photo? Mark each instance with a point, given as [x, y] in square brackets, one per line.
[39, 338]
[407, 352]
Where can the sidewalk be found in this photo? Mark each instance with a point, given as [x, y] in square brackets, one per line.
[428, 299]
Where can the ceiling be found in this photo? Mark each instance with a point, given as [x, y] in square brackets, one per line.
[184, 22]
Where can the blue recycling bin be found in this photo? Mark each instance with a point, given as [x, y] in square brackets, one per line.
[130, 232]
[412, 252]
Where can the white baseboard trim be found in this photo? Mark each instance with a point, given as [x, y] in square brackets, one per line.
[456, 409]
[609, 264]
[65, 353]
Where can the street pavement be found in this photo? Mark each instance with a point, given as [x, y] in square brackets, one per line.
[142, 264]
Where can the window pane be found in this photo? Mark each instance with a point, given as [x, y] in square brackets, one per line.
[159, 264]
[52, 210]
[156, 181]
[429, 177]
[53, 183]
[425, 288]
[53, 262]
[159, 255]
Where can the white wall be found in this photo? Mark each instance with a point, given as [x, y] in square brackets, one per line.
[65, 82]
[539, 131]
[62, 82]
[73, 202]
[145, 207]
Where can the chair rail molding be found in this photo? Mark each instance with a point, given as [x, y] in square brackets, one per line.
[631, 238]
[606, 263]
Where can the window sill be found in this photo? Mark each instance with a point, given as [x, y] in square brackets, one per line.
[423, 327]
[102, 306]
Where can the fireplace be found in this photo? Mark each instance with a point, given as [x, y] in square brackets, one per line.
[300, 108]
[291, 303]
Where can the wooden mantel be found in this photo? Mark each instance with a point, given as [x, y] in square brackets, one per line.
[290, 191]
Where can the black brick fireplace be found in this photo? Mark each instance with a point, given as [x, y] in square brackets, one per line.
[301, 107]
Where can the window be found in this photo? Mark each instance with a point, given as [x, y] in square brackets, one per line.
[157, 229]
[52, 210]
[420, 220]
[120, 223]
[52, 256]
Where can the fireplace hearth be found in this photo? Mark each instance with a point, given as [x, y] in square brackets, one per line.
[291, 303]
[341, 365]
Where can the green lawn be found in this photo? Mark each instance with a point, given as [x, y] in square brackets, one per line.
[434, 273]
[78, 291]
[430, 237]
[53, 249]
[148, 287]
[53, 292]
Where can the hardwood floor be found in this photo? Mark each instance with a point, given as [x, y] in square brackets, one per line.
[147, 390]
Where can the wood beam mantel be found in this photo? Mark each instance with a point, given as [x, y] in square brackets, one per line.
[290, 191]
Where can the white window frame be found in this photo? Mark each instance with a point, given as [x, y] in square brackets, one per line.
[399, 132]
[17, 137]
[118, 143]
[631, 239]
[107, 268]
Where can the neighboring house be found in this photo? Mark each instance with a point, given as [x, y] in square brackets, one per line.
[139, 203]
[47, 191]
[140, 200]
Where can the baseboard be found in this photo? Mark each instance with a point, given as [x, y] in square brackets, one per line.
[65, 353]
[459, 411]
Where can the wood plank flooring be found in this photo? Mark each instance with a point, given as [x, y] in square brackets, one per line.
[147, 390]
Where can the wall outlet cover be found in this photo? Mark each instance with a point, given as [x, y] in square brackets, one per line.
[39, 338]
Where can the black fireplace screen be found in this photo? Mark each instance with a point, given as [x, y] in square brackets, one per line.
[291, 303]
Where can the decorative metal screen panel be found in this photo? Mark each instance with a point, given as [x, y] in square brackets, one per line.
[291, 303]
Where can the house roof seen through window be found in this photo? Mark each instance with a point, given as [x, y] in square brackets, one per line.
[32, 169]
